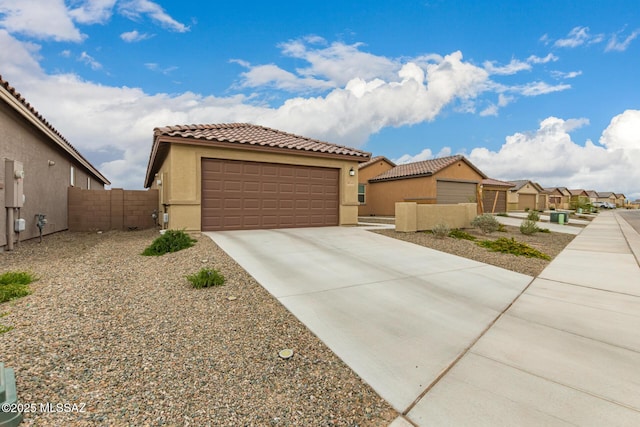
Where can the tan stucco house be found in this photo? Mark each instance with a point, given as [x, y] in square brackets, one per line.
[367, 170]
[494, 195]
[558, 197]
[37, 166]
[243, 176]
[621, 200]
[526, 195]
[445, 180]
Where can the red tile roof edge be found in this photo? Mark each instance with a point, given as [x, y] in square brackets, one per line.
[13, 92]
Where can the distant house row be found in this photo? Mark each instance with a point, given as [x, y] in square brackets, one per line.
[454, 179]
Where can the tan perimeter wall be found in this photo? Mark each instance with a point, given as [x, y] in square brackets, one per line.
[179, 180]
[411, 217]
[116, 209]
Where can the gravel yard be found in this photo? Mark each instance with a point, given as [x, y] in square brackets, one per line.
[549, 243]
[128, 337]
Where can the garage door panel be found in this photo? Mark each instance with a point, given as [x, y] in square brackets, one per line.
[253, 195]
[453, 192]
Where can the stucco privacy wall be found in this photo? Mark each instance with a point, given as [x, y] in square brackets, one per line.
[179, 180]
[45, 186]
[411, 217]
[382, 196]
[115, 209]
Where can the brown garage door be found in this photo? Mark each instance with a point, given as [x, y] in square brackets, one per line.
[494, 201]
[451, 192]
[240, 195]
[526, 201]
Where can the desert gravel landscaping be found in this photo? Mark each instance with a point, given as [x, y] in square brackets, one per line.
[549, 243]
[128, 340]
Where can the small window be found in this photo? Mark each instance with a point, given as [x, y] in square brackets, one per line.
[88, 183]
[72, 174]
[361, 193]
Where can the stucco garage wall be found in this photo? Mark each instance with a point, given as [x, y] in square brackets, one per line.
[181, 179]
[45, 186]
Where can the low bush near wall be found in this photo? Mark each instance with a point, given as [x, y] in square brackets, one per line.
[170, 241]
[459, 234]
[441, 230]
[206, 278]
[487, 223]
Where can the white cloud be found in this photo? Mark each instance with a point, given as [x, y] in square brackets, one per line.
[93, 11]
[134, 36]
[30, 18]
[512, 67]
[533, 59]
[576, 37]
[621, 46]
[550, 157]
[90, 61]
[563, 75]
[272, 76]
[425, 154]
[134, 9]
[538, 88]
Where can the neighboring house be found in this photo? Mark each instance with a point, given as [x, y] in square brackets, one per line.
[366, 171]
[607, 197]
[526, 195]
[37, 165]
[558, 197]
[593, 196]
[579, 198]
[621, 200]
[244, 176]
[494, 195]
[446, 180]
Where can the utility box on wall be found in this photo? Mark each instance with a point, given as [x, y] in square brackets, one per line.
[13, 177]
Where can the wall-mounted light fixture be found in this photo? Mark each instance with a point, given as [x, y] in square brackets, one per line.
[352, 172]
[51, 163]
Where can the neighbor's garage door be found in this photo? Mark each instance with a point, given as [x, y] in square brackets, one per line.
[239, 195]
[526, 201]
[451, 192]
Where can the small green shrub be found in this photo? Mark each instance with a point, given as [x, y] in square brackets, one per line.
[441, 230]
[512, 246]
[502, 214]
[456, 233]
[205, 278]
[487, 223]
[528, 227]
[533, 216]
[4, 328]
[502, 228]
[170, 241]
[543, 230]
[15, 284]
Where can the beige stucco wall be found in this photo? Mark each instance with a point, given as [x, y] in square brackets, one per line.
[512, 196]
[411, 216]
[45, 187]
[383, 196]
[364, 175]
[181, 176]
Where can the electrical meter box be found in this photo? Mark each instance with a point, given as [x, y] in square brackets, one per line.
[20, 225]
[13, 185]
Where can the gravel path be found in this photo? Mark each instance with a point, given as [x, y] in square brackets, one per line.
[129, 338]
[549, 243]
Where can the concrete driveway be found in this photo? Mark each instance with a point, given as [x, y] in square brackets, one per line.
[400, 315]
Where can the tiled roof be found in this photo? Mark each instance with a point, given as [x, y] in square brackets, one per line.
[55, 135]
[577, 191]
[249, 134]
[424, 168]
[374, 160]
[497, 182]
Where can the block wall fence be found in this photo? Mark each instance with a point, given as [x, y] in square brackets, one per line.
[116, 209]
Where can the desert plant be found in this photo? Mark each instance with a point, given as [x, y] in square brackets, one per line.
[487, 223]
[170, 241]
[441, 230]
[4, 328]
[456, 233]
[533, 215]
[15, 284]
[528, 227]
[205, 278]
[502, 214]
[512, 246]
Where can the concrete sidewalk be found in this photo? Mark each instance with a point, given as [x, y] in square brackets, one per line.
[567, 352]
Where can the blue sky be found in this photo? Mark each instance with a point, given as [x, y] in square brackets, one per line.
[541, 90]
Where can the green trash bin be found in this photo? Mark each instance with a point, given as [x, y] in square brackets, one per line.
[555, 217]
[566, 217]
[8, 396]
